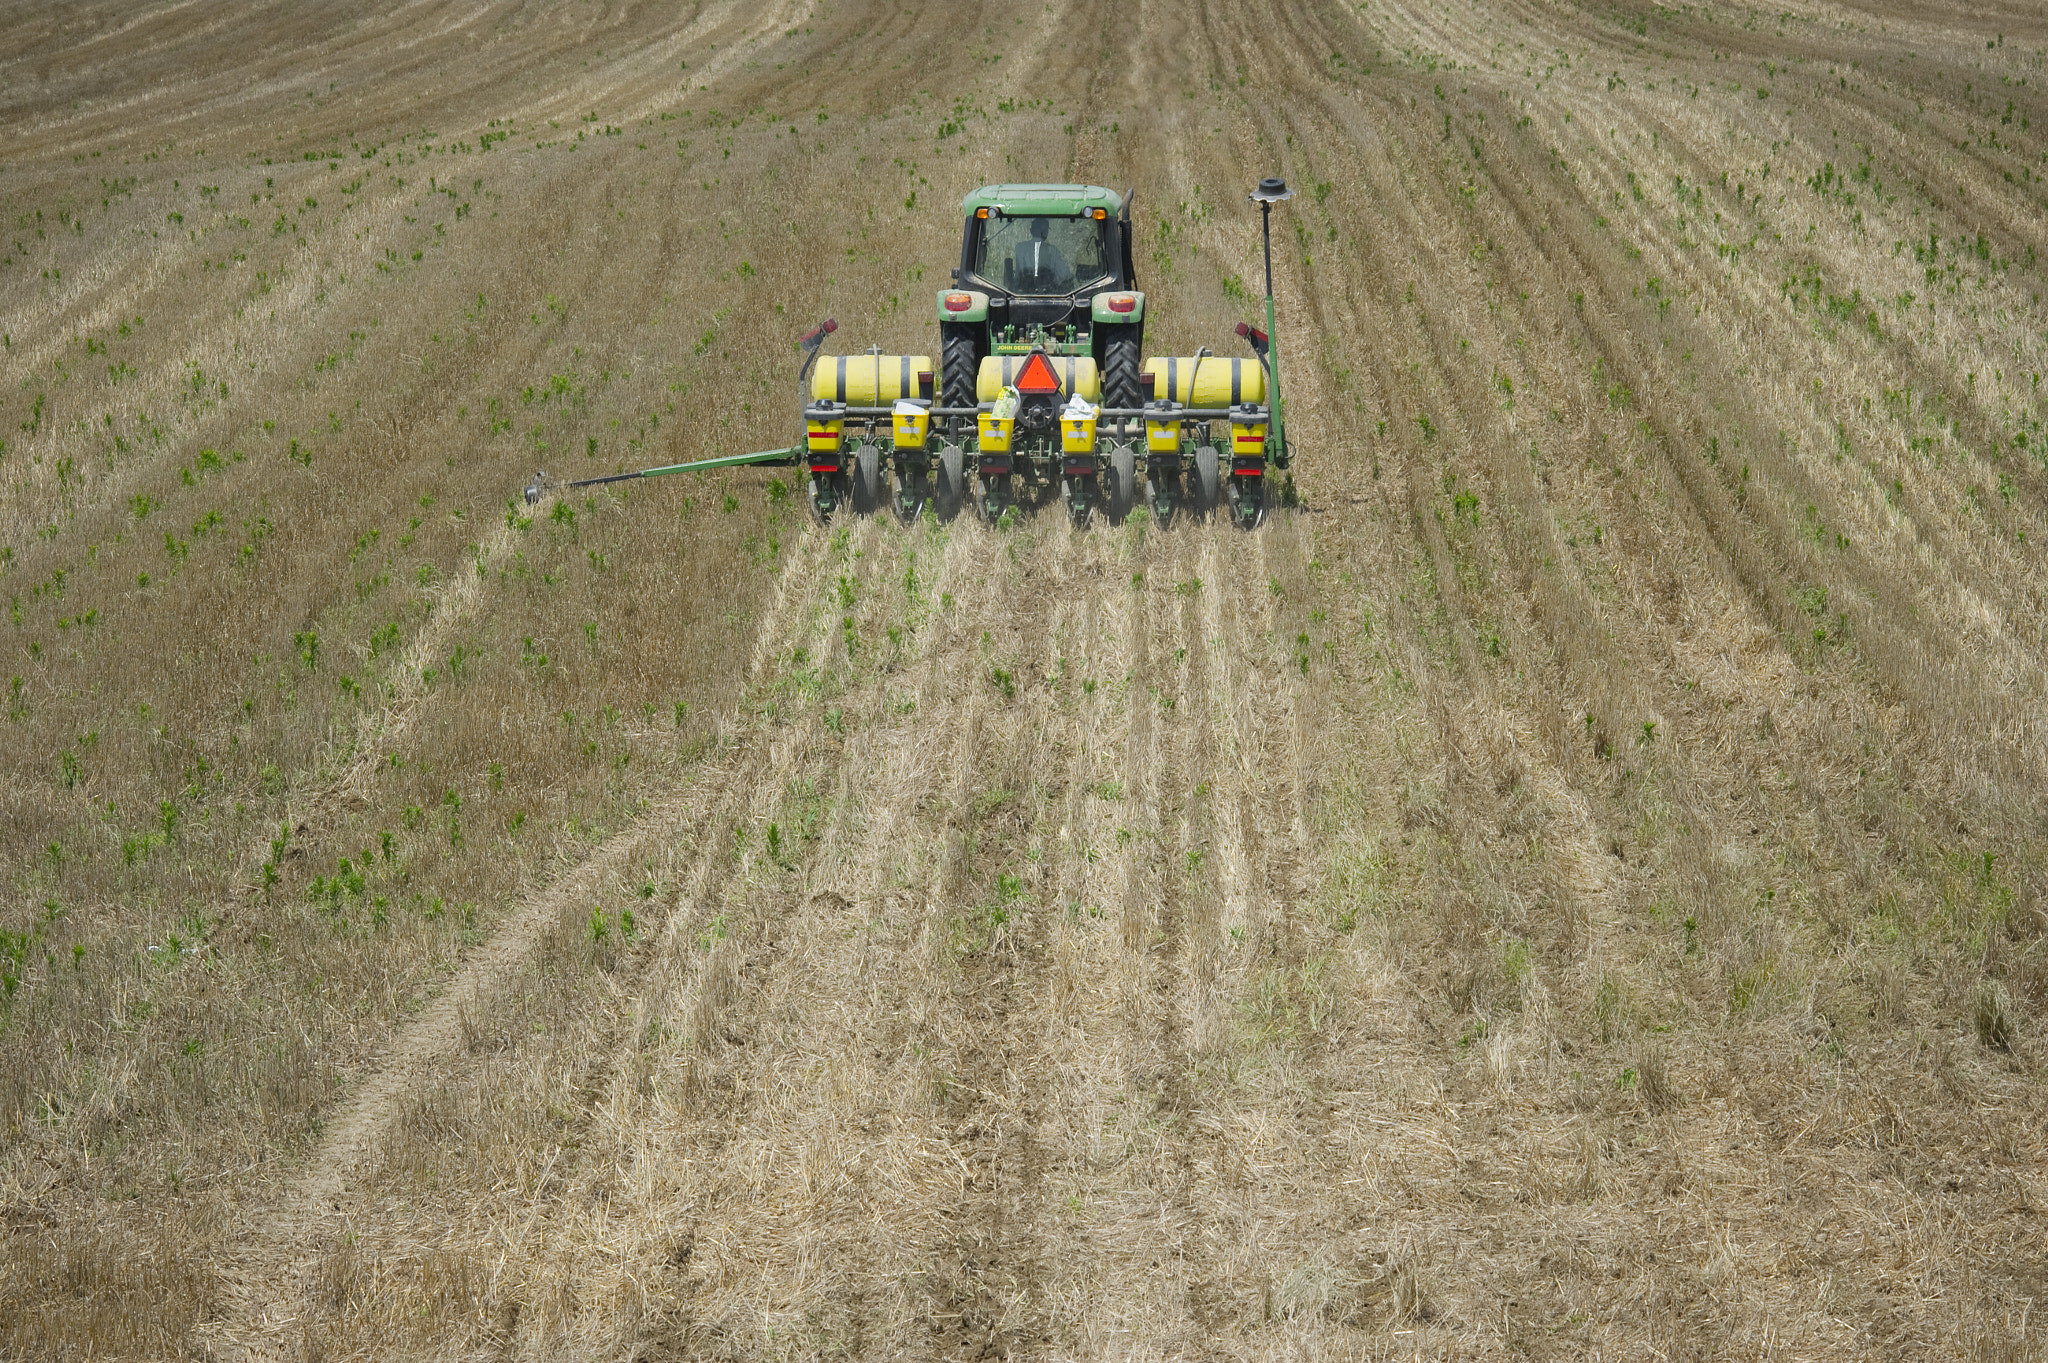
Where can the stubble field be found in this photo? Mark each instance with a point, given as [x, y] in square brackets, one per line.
[1572, 887]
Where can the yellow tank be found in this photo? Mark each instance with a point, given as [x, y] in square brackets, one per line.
[1078, 376]
[911, 422]
[995, 432]
[1248, 439]
[1211, 381]
[869, 380]
[825, 436]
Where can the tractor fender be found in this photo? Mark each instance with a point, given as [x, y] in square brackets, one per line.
[975, 311]
[1099, 309]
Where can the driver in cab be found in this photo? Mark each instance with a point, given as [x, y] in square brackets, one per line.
[1041, 268]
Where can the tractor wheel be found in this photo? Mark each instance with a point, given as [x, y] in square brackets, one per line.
[868, 488]
[959, 368]
[1120, 368]
[952, 482]
[1123, 481]
[1207, 485]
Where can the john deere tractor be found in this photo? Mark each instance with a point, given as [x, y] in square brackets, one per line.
[1040, 389]
[1043, 267]
[1044, 311]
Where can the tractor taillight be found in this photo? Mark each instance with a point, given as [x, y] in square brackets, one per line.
[959, 302]
[1122, 302]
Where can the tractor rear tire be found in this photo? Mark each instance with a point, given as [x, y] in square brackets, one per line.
[1120, 368]
[1208, 483]
[959, 369]
[952, 482]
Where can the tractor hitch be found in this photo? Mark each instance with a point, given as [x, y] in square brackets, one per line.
[542, 484]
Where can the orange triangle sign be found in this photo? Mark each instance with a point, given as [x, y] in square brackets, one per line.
[1036, 376]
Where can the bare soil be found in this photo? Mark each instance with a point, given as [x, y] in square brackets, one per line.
[1571, 884]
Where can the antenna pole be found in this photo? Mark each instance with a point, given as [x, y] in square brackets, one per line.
[1273, 332]
[1272, 190]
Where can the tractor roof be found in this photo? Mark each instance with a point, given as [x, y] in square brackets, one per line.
[1043, 200]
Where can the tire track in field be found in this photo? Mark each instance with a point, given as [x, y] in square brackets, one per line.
[983, 1249]
[1850, 497]
[995, 1038]
[1190, 911]
[1163, 914]
[1265, 944]
[1087, 1042]
[235, 338]
[1150, 1159]
[1274, 713]
[276, 1269]
[696, 1139]
[747, 932]
[1757, 538]
[909, 866]
[847, 859]
[1075, 1059]
[1260, 710]
[1193, 1017]
[1492, 734]
[1089, 862]
[407, 695]
[1220, 689]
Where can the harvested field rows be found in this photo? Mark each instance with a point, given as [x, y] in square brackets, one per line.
[1569, 885]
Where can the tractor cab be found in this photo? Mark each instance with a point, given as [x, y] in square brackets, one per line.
[1043, 267]
[1042, 255]
[1038, 255]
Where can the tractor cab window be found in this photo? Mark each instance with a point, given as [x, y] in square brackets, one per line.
[1042, 255]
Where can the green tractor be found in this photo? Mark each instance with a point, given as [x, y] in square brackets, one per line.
[1040, 390]
[1043, 267]
[1041, 385]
